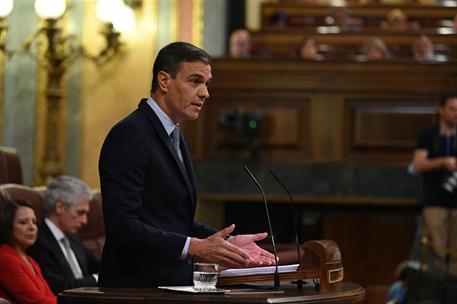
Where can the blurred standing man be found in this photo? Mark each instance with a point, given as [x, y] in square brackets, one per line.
[65, 262]
[149, 188]
[435, 158]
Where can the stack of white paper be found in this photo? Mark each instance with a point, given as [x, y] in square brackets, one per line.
[257, 270]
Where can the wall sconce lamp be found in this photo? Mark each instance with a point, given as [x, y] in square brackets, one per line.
[55, 53]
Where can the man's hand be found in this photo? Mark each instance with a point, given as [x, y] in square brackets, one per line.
[257, 255]
[214, 249]
[450, 163]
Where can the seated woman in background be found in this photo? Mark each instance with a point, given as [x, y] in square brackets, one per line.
[374, 49]
[397, 20]
[309, 50]
[21, 280]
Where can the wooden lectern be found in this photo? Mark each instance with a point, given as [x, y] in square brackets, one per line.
[319, 260]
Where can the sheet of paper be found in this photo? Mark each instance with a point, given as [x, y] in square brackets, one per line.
[257, 270]
[191, 289]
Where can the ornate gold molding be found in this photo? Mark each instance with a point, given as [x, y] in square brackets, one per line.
[197, 22]
[173, 20]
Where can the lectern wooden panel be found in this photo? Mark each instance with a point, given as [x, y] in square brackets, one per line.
[347, 293]
[319, 260]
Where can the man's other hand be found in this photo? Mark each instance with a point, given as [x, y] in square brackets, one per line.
[214, 249]
[257, 255]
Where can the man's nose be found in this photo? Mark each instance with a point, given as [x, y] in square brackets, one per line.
[204, 92]
[84, 219]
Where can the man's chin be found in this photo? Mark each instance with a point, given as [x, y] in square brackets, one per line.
[192, 116]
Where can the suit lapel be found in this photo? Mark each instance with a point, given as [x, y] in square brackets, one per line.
[157, 124]
[55, 247]
[190, 168]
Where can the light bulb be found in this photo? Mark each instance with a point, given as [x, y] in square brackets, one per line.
[106, 9]
[50, 9]
[6, 6]
[124, 19]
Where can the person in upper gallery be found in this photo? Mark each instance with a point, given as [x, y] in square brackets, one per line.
[374, 49]
[240, 44]
[340, 16]
[66, 263]
[422, 48]
[396, 19]
[279, 20]
[21, 280]
[148, 185]
[435, 157]
[309, 49]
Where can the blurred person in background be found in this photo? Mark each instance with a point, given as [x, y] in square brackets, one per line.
[396, 19]
[309, 49]
[340, 16]
[240, 44]
[435, 157]
[422, 48]
[374, 49]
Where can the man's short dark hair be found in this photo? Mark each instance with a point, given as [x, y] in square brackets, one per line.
[446, 96]
[171, 56]
[7, 213]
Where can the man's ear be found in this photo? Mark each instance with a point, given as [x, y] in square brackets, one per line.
[163, 79]
[59, 208]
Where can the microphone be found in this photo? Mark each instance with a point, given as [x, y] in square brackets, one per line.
[294, 216]
[276, 278]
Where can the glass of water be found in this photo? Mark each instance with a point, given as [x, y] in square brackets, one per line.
[205, 276]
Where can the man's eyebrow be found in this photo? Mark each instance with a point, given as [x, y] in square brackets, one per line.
[196, 75]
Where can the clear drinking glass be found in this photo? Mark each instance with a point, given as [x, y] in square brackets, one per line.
[205, 276]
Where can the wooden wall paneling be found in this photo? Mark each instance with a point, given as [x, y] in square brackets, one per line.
[373, 243]
[284, 130]
[339, 108]
[327, 119]
[385, 126]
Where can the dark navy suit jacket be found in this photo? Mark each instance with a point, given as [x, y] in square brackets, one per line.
[149, 199]
[46, 251]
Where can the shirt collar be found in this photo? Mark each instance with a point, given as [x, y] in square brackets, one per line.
[56, 232]
[166, 121]
[443, 133]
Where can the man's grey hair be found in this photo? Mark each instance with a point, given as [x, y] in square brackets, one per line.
[67, 190]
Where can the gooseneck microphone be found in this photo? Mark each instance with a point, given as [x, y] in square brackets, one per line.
[276, 278]
[294, 216]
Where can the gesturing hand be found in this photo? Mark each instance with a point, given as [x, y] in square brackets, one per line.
[214, 249]
[257, 255]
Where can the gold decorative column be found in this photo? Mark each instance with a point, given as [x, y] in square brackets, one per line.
[50, 104]
[197, 22]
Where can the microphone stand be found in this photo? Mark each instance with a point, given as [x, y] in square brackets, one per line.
[294, 216]
[448, 241]
[277, 283]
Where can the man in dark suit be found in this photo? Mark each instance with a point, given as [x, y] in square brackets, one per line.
[149, 189]
[65, 262]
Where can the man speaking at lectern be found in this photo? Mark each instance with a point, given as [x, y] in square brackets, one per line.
[149, 189]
